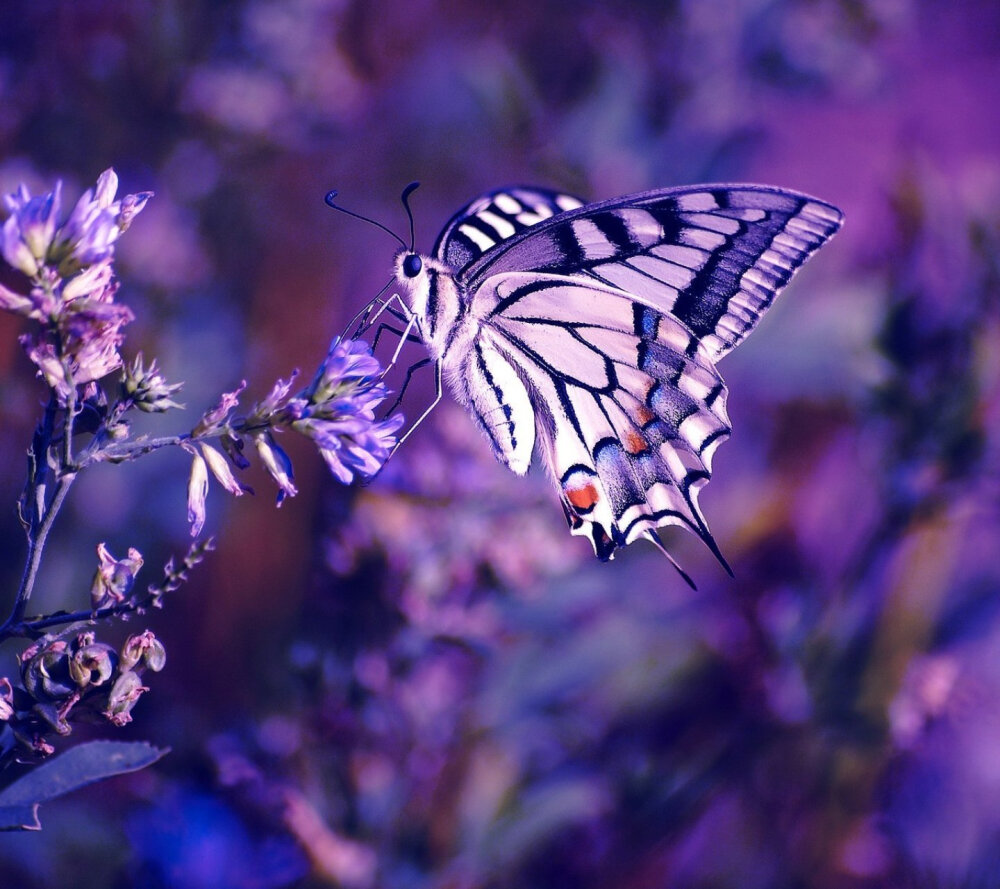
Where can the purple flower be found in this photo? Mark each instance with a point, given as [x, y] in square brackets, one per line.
[353, 446]
[214, 418]
[349, 367]
[89, 235]
[73, 290]
[32, 242]
[30, 228]
[337, 411]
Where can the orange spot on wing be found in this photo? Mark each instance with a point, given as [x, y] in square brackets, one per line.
[644, 415]
[583, 497]
[634, 442]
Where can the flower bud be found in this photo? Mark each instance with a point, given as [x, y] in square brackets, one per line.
[147, 389]
[132, 205]
[6, 699]
[197, 493]
[126, 691]
[221, 470]
[215, 417]
[55, 717]
[277, 463]
[28, 232]
[91, 663]
[114, 579]
[15, 302]
[45, 671]
[143, 650]
[233, 446]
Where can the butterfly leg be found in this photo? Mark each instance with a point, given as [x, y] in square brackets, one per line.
[413, 368]
[438, 392]
[360, 322]
[402, 334]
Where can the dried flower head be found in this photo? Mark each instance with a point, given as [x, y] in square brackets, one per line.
[147, 389]
[114, 578]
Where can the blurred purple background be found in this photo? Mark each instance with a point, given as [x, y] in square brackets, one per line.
[426, 683]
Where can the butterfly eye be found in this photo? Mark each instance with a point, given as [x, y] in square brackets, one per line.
[412, 265]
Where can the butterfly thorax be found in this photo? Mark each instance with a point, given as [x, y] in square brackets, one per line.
[434, 296]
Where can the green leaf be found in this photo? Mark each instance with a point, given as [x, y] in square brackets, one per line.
[75, 768]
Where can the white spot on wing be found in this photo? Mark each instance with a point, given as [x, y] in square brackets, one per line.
[804, 227]
[685, 256]
[567, 202]
[506, 203]
[722, 224]
[772, 257]
[594, 244]
[642, 226]
[671, 274]
[759, 277]
[479, 238]
[541, 211]
[704, 240]
[700, 200]
[650, 291]
[747, 214]
[500, 225]
[822, 211]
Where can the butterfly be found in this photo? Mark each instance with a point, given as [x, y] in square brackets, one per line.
[591, 332]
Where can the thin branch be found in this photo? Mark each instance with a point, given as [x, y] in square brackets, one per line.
[171, 580]
[36, 546]
[68, 421]
[122, 452]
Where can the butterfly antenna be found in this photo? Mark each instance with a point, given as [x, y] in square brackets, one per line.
[405, 198]
[654, 538]
[330, 195]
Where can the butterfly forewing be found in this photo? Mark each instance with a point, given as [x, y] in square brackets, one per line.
[713, 256]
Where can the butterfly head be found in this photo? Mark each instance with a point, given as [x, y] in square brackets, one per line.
[428, 286]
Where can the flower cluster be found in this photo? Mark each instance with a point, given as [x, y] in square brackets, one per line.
[72, 287]
[79, 674]
[336, 411]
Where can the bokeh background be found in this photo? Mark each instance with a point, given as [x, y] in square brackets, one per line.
[426, 683]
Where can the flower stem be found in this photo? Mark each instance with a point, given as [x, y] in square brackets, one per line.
[36, 546]
[42, 515]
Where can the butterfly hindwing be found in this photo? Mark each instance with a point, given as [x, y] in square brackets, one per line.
[629, 406]
[594, 330]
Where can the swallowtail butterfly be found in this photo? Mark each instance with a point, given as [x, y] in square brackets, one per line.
[592, 332]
